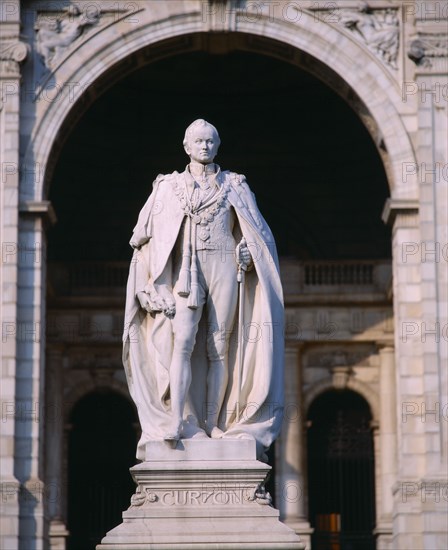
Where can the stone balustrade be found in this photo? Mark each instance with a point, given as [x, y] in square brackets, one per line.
[307, 277]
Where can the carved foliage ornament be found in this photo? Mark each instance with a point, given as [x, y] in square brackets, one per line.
[143, 496]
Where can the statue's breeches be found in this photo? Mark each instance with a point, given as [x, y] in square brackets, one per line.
[218, 294]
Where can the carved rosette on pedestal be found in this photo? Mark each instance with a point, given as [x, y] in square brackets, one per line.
[201, 494]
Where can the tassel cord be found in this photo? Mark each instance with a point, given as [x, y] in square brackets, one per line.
[184, 283]
[193, 299]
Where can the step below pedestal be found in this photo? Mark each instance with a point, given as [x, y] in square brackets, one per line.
[201, 494]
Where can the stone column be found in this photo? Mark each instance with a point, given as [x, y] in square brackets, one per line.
[57, 533]
[429, 51]
[29, 456]
[12, 53]
[388, 446]
[420, 297]
[291, 489]
[407, 529]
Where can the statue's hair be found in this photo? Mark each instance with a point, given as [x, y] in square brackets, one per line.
[195, 124]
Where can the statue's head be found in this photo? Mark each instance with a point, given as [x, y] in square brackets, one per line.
[201, 141]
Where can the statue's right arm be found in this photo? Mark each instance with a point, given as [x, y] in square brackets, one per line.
[140, 237]
[150, 300]
[142, 231]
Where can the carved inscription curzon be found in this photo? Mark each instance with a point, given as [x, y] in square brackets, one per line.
[178, 497]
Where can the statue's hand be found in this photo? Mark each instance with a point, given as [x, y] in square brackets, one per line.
[164, 299]
[155, 302]
[150, 303]
[243, 256]
[169, 308]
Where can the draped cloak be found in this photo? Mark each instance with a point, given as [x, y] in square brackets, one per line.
[148, 338]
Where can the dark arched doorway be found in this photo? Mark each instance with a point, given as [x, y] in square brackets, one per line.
[101, 450]
[341, 472]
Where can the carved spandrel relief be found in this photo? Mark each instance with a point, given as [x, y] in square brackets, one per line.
[378, 29]
[56, 31]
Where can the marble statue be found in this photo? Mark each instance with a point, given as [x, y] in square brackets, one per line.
[203, 341]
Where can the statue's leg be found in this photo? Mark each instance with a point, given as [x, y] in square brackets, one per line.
[185, 327]
[221, 308]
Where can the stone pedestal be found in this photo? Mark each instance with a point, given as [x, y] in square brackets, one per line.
[200, 494]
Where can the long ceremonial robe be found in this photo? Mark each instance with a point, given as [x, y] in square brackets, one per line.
[148, 338]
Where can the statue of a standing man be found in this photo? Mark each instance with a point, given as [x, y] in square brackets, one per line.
[184, 367]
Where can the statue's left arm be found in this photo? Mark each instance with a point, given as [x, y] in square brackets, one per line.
[246, 206]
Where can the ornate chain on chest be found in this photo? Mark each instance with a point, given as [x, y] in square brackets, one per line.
[206, 212]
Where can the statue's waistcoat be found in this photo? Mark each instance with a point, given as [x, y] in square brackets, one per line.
[171, 212]
[209, 218]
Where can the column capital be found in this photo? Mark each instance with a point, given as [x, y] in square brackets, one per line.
[385, 346]
[13, 52]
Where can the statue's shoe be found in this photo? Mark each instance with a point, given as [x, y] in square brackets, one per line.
[215, 432]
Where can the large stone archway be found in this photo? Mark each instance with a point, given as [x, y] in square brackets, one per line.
[61, 183]
[339, 59]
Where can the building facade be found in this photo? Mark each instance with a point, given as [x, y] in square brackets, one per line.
[341, 107]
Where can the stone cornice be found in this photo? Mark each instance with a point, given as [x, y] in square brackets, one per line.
[39, 208]
[393, 207]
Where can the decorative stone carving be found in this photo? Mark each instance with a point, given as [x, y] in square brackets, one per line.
[142, 497]
[378, 29]
[261, 496]
[12, 53]
[426, 48]
[55, 33]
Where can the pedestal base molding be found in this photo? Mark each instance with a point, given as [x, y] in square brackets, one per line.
[57, 535]
[201, 494]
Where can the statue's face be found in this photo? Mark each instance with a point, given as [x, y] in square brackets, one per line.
[202, 145]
